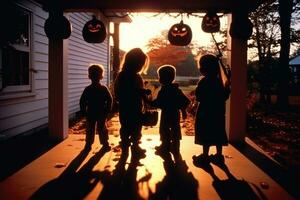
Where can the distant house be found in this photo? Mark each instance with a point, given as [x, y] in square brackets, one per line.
[295, 70]
[24, 69]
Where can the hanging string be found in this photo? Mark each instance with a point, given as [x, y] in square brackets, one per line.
[225, 71]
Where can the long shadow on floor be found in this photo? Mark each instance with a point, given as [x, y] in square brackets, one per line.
[122, 183]
[231, 188]
[72, 184]
[178, 183]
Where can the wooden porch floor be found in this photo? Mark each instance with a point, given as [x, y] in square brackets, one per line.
[65, 172]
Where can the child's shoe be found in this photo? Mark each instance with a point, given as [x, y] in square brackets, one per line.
[201, 159]
[217, 159]
[106, 148]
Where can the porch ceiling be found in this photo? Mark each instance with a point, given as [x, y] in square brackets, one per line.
[156, 5]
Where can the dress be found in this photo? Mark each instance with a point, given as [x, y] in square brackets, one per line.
[128, 91]
[210, 116]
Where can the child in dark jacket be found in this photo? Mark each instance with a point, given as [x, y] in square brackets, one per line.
[170, 100]
[210, 117]
[95, 105]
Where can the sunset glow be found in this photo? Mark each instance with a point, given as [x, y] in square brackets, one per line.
[147, 25]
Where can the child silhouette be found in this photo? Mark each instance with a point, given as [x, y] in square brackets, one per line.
[129, 93]
[170, 99]
[95, 104]
[210, 116]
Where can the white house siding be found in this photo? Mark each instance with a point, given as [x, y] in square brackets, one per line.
[20, 114]
[81, 55]
[27, 111]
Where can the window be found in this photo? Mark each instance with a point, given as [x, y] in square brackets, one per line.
[15, 54]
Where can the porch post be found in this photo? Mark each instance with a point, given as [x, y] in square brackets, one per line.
[58, 89]
[236, 105]
[116, 49]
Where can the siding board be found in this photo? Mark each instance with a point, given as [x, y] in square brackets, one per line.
[23, 114]
[81, 55]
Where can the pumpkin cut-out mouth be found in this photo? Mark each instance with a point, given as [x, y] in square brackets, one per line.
[94, 28]
[180, 34]
[211, 23]
[94, 31]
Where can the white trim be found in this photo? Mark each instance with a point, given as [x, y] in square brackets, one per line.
[23, 88]
[16, 95]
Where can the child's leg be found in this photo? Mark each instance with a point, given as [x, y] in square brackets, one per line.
[102, 132]
[205, 150]
[136, 136]
[219, 149]
[90, 132]
[218, 158]
[165, 138]
[176, 149]
[124, 133]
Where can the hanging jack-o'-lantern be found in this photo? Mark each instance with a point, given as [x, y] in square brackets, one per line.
[180, 34]
[241, 28]
[94, 31]
[210, 23]
[57, 26]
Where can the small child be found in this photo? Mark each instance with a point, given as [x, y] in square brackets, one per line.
[170, 99]
[130, 93]
[95, 105]
[210, 117]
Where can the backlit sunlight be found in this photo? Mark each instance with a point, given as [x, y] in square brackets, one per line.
[148, 25]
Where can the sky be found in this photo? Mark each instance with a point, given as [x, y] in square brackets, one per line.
[146, 25]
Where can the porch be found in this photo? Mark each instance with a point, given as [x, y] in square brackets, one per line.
[66, 172]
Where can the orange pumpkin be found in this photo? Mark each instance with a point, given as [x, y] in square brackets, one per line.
[241, 28]
[210, 23]
[180, 34]
[94, 31]
[57, 26]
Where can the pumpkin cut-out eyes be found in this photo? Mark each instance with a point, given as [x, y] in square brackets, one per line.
[180, 34]
[94, 31]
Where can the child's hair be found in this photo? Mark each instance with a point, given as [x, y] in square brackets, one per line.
[166, 74]
[95, 71]
[135, 61]
[209, 65]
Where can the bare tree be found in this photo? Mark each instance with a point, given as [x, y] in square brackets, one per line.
[286, 8]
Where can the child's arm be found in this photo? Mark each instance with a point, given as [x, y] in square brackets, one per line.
[200, 91]
[184, 100]
[184, 113]
[82, 103]
[109, 100]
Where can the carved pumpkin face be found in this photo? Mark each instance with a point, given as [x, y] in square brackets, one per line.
[210, 23]
[94, 31]
[180, 34]
[57, 27]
